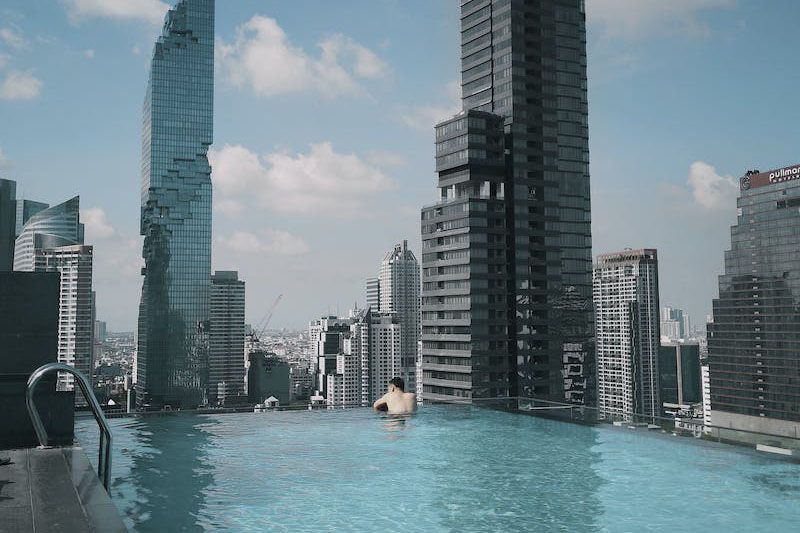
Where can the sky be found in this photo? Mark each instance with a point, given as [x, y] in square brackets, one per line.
[323, 137]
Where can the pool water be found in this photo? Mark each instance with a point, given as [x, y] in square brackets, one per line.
[448, 468]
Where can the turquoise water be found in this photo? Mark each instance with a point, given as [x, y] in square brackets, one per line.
[448, 468]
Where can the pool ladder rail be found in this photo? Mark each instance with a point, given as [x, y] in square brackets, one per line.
[104, 452]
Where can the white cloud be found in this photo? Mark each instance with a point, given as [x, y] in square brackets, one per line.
[385, 159]
[424, 118]
[88, 54]
[3, 60]
[12, 38]
[96, 222]
[20, 86]
[228, 206]
[640, 18]
[319, 182]
[262, 58]
[269, 241]
[710, 189]
[136, 50]
[150, 11]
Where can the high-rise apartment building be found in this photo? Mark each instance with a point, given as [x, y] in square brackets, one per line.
[399, 294]
[754, 339]
[627, 333]
[344, 384]
[172, 351]
[507, 287]
[706, 388]
[76, 308]
[357, 346]
[675, 324]
[226, 368]
[373, 294]
[386, 355]
[357, 356]
[326, 341]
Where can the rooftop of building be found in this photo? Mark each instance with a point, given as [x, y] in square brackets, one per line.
[628, 254]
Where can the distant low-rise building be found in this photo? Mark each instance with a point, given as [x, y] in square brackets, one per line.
[268, 376]
[680, 376]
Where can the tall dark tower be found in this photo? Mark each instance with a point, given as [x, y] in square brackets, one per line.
[754, 340]
[172, 350]
[507, 264]
[8, 211]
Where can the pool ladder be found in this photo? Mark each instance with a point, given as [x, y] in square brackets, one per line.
[104, 455]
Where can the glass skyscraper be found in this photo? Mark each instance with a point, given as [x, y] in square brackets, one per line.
[754, 340]
[172, 351]
[507, 265]
[55, 226]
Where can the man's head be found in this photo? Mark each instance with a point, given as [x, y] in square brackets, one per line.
[397, 384]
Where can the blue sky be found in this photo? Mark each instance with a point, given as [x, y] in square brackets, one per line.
[323, 148]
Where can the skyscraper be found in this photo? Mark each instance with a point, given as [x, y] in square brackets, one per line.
[55, 226]
[76, 308]
[8, 197]
[506, 298]
[627, 333]
[754, 339]
[52, 241]
[226, 368]
[399, 291]
[25, 210]
[172, 352]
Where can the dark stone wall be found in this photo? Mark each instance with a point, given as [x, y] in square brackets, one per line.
[29, 339]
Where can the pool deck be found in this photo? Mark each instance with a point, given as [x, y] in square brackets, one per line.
[54, 489]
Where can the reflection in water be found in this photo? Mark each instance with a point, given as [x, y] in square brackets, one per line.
[168, 491]
[394, 424]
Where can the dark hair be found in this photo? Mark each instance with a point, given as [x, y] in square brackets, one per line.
[399, 383]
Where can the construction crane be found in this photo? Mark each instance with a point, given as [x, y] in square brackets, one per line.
[261, 328]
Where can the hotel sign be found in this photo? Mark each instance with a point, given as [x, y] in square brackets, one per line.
[761, 179]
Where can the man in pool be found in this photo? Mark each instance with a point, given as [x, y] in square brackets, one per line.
[397, 401]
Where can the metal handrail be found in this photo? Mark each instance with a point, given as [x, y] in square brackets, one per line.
[104, 455]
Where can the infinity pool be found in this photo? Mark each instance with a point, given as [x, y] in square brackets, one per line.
[449, 468]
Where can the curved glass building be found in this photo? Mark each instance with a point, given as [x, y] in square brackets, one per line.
[172, 351]
[55, 226]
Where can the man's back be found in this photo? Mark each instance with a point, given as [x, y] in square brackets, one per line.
[398, 402]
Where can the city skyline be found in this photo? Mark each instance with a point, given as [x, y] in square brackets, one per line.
[699, 218]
